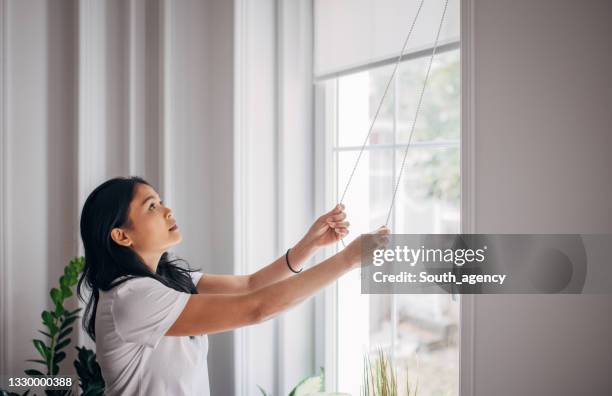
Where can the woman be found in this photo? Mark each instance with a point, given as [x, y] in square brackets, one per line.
[150, 317]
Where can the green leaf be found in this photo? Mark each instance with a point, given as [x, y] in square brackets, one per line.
[62, 344]
[59, 357]
[94, 391]
[68, 316]
[80, 263]
[307, 386]
[56, 296]
[66, 292]
[263, 392]
[44, 333]
[89, 372]
[67, 322]
[64, 333]
[59, 310]
[33, 372]
[42, 349]
[48, 320]
[75, 311]
[71, 275]
[46, 317]
[37, 361]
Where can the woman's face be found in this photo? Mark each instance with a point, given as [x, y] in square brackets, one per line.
[151, 223]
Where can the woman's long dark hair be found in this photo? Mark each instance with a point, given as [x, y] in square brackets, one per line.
[105, 261]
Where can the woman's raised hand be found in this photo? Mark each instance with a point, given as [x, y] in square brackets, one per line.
[328, 228]
[361, 247]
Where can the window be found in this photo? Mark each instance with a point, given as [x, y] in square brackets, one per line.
[420, 332]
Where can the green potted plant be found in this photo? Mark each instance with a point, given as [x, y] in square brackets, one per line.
[59, 324]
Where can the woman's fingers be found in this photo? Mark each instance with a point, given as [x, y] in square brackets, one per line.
[379, 238]
[336, 218]
[382, 236]
[342, 224]
[337, 209]
[383, 230]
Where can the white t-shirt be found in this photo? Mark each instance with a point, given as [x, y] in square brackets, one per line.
[134, 355]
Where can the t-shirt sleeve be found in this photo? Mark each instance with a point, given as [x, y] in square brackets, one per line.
[144, 309]
[195, 277]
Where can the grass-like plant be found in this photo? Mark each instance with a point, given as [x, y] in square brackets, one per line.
[380, 378]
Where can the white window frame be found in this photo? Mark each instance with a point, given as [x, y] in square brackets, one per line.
[325, 87]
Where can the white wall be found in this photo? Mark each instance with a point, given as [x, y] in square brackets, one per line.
[543, 137]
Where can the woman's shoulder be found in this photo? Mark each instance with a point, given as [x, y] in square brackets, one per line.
[126, 283]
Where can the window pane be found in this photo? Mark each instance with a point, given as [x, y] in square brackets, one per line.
[428, 344]
[428, 198]
[440, 111]
[358, 98]
[363, 319]
[368, 196]
[419, 331]
[427, 329]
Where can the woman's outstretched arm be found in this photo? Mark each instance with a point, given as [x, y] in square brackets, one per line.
[327, 229]
[213, 313]
[272, 273]
[210, 313]
[279, 270]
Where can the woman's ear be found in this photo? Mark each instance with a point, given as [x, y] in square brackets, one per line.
[120, 237]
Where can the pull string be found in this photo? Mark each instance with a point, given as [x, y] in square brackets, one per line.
[416, 112]
[382, 99]
[416, 115]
